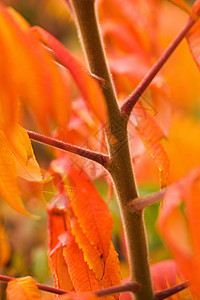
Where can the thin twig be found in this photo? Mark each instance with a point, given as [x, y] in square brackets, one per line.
[140, 203]
[171, 291]
[143, 85]
[127, 287]
[100, 158]
[40, 286]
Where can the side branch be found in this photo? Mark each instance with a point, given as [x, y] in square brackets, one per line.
[143, 85]
[127, 287]
[89, 154]
[140, 203]
[171, 291]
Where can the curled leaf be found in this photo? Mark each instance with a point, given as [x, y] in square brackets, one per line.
[86, 83]
[9, 189]
[23, 288]
[151, 134]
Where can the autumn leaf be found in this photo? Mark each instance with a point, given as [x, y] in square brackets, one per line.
[179, 222]
[67, 230]
[60, 269]
[86, 83]
[9, 189]
[82, 277]
[165, 274]
[26, 164]
[23, 288]
[178, 147]
[16, 159]
[90, 253]
[44, 83]
[151, 134]
[56, 210]
[96, 222]
[79, 296]
[112, 274]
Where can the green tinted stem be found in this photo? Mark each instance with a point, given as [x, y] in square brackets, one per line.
[120, 164]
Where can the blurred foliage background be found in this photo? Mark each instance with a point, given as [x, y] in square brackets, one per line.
[25, 241]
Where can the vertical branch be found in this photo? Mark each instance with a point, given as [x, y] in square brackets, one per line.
[120, 165]
[89, 34]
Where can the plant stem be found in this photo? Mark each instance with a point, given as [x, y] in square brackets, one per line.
[120, 165]
[89, 154]
[143, 85]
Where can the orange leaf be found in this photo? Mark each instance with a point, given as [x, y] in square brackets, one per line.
[67, 260]
[180, 228]
[96, 221]
[26, 164]
[16, 159]
[79, 296]
[9, 189]
[90, 253]
[60, 270]
[43, 84]
[82, 277]
[112, 274]
[87, 85]
[23, 288]
[151, 134]
[56, 213]
[56, 210]
[8, 87]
